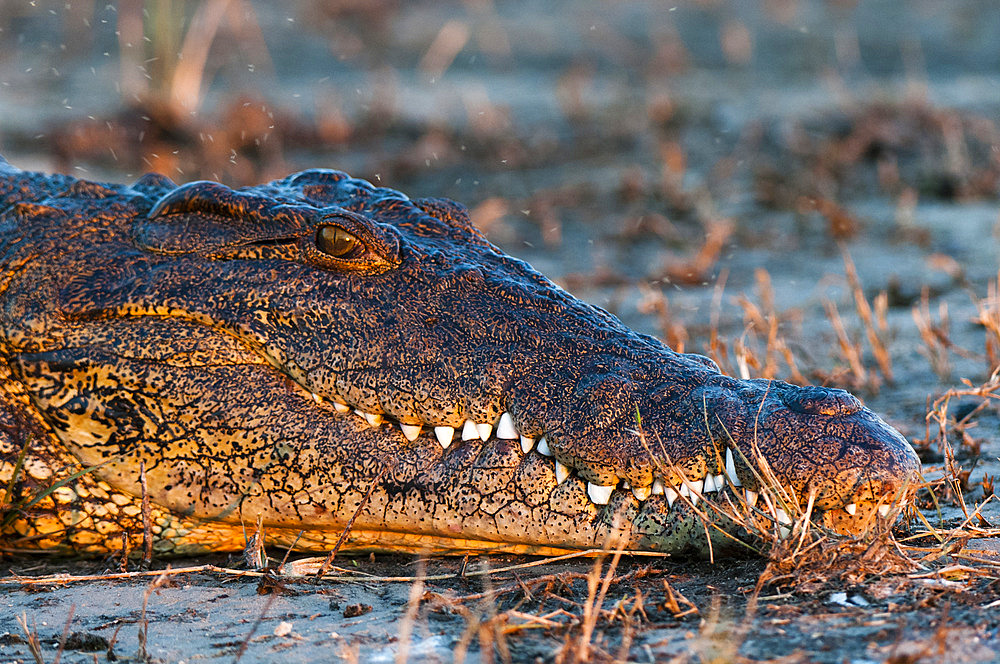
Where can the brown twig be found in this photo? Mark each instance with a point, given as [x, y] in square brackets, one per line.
[245, 643]
[350, 523]
[31, 635]
[65, 633]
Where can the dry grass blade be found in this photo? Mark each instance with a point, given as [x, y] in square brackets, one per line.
[350, 523]
[850, 350]
[747, 350]
[306, 572]
[13, 510]
[697, 269]
[719, 639]
[31, 636]
[595, 596]
[875, 334]
[245, 643]
[933, 335]
[412, 607]
[65, 633]
[676, 603]
[165, 56]
[938, 415]
[6, 502]
[143, 636]
[989, 318]
[147, 521]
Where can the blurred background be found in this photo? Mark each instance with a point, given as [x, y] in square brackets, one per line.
[734, 177]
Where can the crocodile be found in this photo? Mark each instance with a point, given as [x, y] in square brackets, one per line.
[340, 363]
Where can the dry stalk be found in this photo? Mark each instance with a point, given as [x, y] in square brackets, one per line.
[350, 523]
[412, 608]
[719, 639]
[989, 318]
[767, 320]
[955, 480]
[876, 327]
[65, 633]
[175, 68]
[934, 336]
[143, 654]
[850, 350]
[717, 348]
[595, 598]
[676, 603]
[31, 635]
[697, 269]
[147, 521]
[245, 643]
[654, 301]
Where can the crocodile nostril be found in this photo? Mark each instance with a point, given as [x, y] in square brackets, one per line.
[821, 401]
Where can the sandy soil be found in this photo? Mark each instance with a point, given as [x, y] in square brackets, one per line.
[609, 144]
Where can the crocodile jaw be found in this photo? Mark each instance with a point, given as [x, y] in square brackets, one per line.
[217, 354]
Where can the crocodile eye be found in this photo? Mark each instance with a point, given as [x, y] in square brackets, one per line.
[346, 241]
[335, 241]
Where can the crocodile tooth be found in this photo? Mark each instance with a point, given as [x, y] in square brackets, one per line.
[444, 435]
[657, 488]
[670, 494]
[626, 485]
[374, 419]
[599, 494]
[317, 398]
[506, 429]
[697, 488]
[714, 482]
[641, 493]
[751, 497]
[469, 431]
[781, 516]
[527, 443]
[411, 431]
[562, 471]
[851, 509]
[883, 511]
[543, 447]
[484, 430]
[341, 407]
[734, 479]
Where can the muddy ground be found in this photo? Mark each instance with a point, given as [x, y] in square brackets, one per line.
[700, 170]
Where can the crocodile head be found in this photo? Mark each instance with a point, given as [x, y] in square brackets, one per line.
[317, 349]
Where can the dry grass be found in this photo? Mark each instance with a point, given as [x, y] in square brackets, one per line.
[164, 49]
[935, 335]
[766, 348]
[31, 636]
[989, 317]
[873, 318]
[942, 428]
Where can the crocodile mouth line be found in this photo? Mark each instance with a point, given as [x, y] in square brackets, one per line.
[768, 502]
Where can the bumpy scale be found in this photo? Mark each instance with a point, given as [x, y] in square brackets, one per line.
[273, 351]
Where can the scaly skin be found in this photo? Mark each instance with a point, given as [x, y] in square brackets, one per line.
[282, 350]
